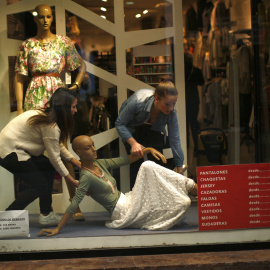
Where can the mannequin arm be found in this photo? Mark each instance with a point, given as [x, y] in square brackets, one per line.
[79, 77]
[156, 154]
[18, 85]
[62, 223]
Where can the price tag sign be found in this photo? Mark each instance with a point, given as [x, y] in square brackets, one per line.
[234, 196]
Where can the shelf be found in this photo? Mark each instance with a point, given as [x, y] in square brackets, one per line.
[146, 65]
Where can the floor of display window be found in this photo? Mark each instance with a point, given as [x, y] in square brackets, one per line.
[94, 226]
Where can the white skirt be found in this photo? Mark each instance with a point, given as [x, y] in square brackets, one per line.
[158, 200]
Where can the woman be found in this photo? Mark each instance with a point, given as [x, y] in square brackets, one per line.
[22, 143]
[142, 122]
[157, 202]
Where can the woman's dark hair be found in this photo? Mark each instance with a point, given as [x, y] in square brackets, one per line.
[57, 111]
[166, 87]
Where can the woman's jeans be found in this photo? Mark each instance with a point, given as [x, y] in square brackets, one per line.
[39, 174]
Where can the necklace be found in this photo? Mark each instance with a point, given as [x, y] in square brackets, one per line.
[100, 176]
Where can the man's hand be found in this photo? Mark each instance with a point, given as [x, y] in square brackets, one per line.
[49, 232]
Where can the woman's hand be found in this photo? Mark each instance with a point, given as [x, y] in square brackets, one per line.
[137, 150]
[155, 153]
[49, 232]
[76, 162]
[72, 180]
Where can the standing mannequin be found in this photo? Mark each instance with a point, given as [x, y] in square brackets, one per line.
[43, 58]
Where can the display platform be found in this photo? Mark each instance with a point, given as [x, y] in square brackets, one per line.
[92, 234]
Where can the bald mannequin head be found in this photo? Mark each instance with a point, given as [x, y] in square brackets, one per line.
[44, 18]
[79, 142]
[41, 8]
[84, 147]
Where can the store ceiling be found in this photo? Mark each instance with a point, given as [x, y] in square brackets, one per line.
[155, 8]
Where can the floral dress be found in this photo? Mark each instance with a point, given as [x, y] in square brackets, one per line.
[34, 57]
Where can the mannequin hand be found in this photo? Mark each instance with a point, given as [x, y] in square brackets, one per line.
[136, 150]
[180, 169]
[19, 111]
[48, 232]
[156, 154]
[74, 88]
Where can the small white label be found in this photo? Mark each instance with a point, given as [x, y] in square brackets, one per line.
[68, 78]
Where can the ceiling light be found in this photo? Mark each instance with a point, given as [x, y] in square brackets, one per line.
[102, 16]
[104, 0]
[138, 15]
[34, 13]
[145, 11]
[103, 9]
[129, 3]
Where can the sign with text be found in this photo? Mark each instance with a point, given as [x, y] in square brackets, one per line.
[234, 196]
[14, 224]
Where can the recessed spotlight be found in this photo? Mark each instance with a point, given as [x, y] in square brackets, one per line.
[102, 16]
[129, 3]
[104, 0]
[145, 11]
[103, 9]
[34, 13]
[138, 15]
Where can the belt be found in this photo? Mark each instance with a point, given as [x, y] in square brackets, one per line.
[51, 74]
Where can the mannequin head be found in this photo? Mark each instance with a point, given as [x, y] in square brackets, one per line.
[84, 147]
[44, 17]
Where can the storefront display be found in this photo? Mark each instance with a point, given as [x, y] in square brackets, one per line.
[127, 47]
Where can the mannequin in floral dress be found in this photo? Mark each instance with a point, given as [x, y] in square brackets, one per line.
[43, 58]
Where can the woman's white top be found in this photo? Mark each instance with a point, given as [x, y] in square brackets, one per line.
[26, 141]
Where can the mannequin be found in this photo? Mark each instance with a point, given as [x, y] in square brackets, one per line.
[158, 200]
[43, 58]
